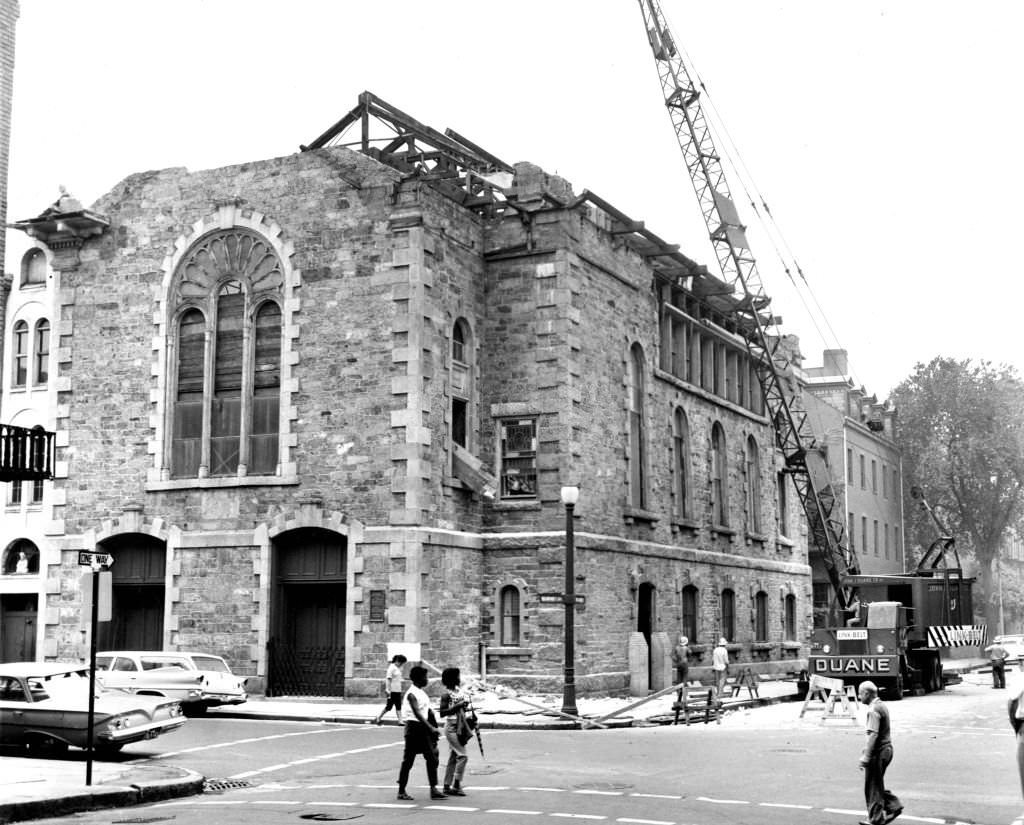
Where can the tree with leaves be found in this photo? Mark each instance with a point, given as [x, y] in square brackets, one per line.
[960, 428]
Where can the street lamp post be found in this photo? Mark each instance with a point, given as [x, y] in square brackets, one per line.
[570, 495]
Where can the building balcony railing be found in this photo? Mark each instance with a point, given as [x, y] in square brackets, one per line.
[26, 454]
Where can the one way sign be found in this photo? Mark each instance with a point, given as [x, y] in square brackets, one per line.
[95, 560]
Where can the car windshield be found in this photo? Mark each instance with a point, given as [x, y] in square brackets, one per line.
[210, 663]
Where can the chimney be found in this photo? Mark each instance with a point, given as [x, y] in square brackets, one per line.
[834, 362]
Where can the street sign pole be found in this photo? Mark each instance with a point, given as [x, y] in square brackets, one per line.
[93, 626]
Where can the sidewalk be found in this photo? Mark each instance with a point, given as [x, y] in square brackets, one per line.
[32, 788]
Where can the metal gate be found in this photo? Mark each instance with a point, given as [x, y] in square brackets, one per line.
[305, 671]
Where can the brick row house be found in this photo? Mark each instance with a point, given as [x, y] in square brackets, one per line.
[321, 403]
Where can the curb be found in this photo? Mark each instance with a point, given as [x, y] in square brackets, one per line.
[110, 796]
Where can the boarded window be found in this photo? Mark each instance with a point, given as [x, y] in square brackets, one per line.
[186, 440]
[729, 614]
[266, 406]
[790, 620]
[691, 598]
[761, 617]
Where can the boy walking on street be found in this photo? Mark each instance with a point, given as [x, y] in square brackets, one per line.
[883, 805]
[421, 734]
[393, 687]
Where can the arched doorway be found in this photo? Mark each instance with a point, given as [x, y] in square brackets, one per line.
[138, 590]
[645, 618]
[306, 650]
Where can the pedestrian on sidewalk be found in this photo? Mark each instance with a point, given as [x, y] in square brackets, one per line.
[393, 687]
[997, 656]
[421, 734]
[883, 806]
[456, 730]
[681, 662]
[720, 666]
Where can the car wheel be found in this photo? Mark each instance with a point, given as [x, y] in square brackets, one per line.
[47, 746]
[193, 709]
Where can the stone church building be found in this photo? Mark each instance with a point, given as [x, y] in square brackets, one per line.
[323, 403]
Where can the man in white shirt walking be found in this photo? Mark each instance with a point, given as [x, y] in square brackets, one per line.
[421, 734]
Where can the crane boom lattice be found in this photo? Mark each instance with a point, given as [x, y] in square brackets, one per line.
[805, 463]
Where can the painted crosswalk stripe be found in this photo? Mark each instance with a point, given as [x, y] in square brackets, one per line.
[578, 816]
[549, 790]
[723, 801]
[785, 805]
[844, 811]
[449, 808]
[512, 811]
[656, 795]
[600, 793]
[387, 805]
[646, 821]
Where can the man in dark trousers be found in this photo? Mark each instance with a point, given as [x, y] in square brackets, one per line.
[883, 805]
[997, 656]
[421, 734]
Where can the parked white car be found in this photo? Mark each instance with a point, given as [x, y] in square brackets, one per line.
[46, 706]
[198, 680]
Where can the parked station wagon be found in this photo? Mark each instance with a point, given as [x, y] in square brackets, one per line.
[198, 680]
[46, 706]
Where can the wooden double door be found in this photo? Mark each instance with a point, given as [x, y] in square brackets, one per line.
[306, 651]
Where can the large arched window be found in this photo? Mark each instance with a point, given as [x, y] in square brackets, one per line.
[510, 616]
[19, 364]
[761, 617]
[753, 468]
[637, 436]
[681, 465]
[728, 614]
[21, 557]
[225, 396]
[719, 478]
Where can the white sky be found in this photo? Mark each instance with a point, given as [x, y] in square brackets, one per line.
[885, 136]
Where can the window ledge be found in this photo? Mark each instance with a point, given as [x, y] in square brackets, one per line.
[758, 537]
[685, 524]
[791, 645]
[785, 542]
[509, 651]
[631, 514]
[516, 504]
[734, 647]
[721, 529]
[697, 648]
[762, 645]
[212, 483]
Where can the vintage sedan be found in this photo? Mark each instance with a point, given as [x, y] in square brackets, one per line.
[198, 680]
[45, 706]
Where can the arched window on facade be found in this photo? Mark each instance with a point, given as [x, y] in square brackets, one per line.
[510, 616]
[461, 382]
[719, 478]
[637, 436]
[33, 268]
[789, 616]
[729, 614]
[19, 355]
[691, 599]
[681, 464]
[41, 355]
[21, 558]
[225, 391]
[753, 469]
[761, 617]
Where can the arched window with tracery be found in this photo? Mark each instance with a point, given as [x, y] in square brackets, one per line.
[225, 396]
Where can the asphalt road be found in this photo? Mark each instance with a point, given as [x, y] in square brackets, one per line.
[954, 763]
